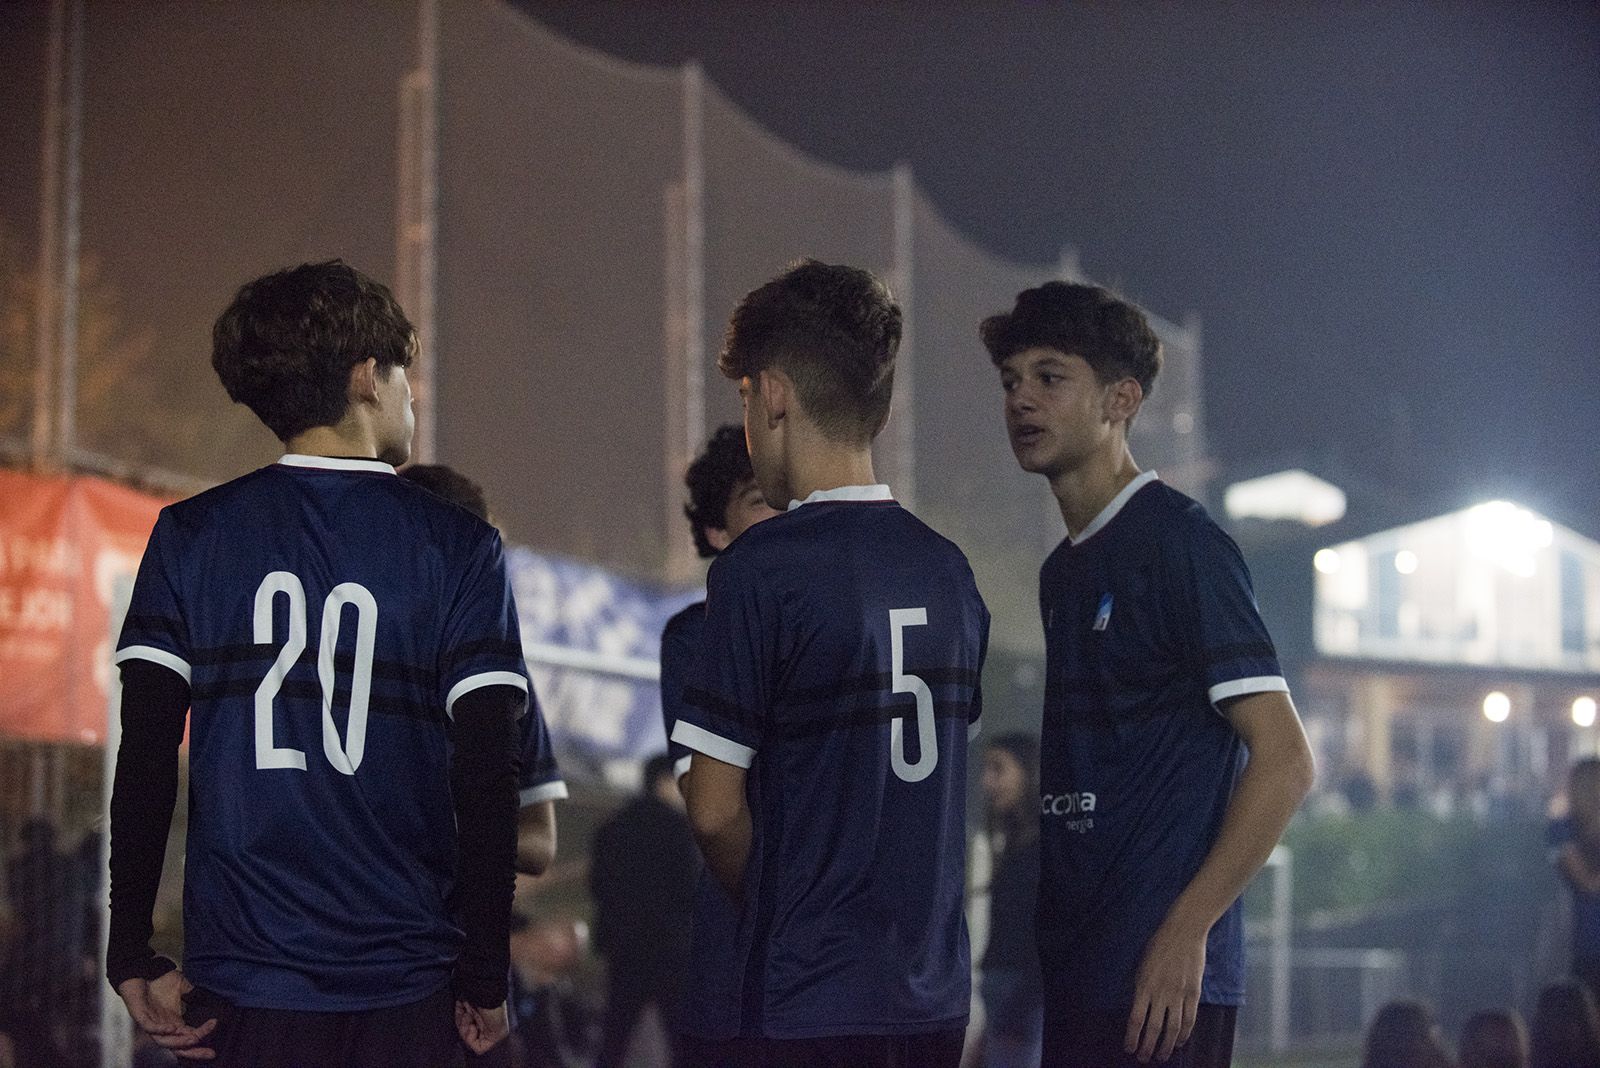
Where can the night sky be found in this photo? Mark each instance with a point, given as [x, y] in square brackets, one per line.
[1386, 215]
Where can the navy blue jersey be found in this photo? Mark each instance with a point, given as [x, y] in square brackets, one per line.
[843, 644]
[1149, 622]
[680, 650]
[538, 775]
[327, 616]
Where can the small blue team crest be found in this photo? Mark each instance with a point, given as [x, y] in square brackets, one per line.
[1102, 618]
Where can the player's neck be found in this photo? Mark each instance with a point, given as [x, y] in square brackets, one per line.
[1084, 491]
[341, 440]
[826, 465]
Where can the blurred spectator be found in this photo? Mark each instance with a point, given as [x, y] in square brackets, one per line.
[1566, 1028]
[1494, 1039]
[1361, 793]
[1011, 985]
[43, 969]
[551, 1025]
[1404, 1034]
[1578, 860]
[642, 874]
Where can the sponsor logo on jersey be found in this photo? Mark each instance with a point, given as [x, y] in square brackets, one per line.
[1077, 809]
[1102, 618]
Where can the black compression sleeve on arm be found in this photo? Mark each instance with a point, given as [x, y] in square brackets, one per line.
[144, 790]
[483, 778]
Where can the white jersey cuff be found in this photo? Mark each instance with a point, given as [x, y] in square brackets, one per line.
[155, 656]
[712, 745]
[1239, 687]
[478, 682]
[545, 791]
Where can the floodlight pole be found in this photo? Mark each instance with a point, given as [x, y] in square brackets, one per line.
[684, 364]
[903, 426]
[56, 293]
[416, 227]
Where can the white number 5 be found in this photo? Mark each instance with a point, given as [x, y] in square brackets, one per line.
[927, 741]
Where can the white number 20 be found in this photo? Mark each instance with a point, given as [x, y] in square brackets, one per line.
[346, 755]
[927, 741]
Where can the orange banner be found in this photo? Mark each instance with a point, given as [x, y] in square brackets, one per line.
[69, 550]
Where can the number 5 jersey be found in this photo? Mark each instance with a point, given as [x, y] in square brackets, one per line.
[842, 647]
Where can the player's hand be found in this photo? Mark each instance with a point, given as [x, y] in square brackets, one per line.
[1166, 993]
[157, 1007]
[479, 1028]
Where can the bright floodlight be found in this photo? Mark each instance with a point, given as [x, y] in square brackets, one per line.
[1496, 707]
[1405, 562]
[1297, 495]
[1326, 561]
[1504, 534]
[1583, 710]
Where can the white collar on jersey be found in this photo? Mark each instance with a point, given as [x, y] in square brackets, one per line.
[334, 463]
[1109, 512]
[846, 493]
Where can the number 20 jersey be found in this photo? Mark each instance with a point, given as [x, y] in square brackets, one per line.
[327, 615]
[842, 647]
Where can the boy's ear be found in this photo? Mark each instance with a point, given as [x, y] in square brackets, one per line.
[364, 380]
[777, 394]
[1123, 400]
[718, 537]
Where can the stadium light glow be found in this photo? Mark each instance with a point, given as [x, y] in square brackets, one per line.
[1496, 707]
[1405, 562]
[1504, 534]
[1293, 495]
[1326, 561]
[1583, 710]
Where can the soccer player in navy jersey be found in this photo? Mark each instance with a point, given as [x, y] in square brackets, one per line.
[1160, 681]
[347, 648]
[724, 502]
[539, 781]
[829, 717]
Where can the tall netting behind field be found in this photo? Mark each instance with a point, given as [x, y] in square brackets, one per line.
[767, 205]
[970, 488]
[596, 222]
[555, 171]
[194, 179]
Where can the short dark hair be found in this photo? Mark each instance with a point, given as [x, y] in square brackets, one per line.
[1493, 1038]
[721, 468]
[1404, 1034]
[1113, 336]
[286, 344]
[1566, 1026]
[835, 331]
[452, 485]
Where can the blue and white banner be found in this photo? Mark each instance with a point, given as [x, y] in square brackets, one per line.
[593, 645]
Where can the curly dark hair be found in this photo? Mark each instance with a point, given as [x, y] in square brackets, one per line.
[1112, 335]
[286, 344]
[722, 467]
[452, 485]
[834, 330]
